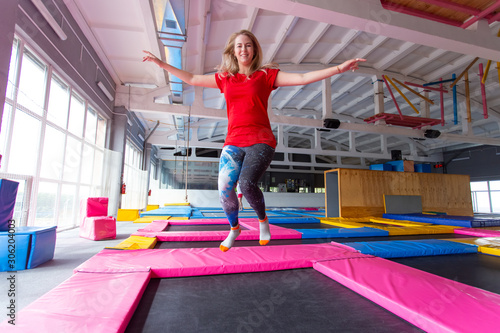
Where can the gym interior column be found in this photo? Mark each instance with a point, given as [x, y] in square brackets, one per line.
[119, 135]
[8, 10]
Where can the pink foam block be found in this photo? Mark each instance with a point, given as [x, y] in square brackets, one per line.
[251, 232]
[93, 207]
[84, 303]
[433, 303]
[478, 232]
[208, 261]
[155, 226]
[98, 228]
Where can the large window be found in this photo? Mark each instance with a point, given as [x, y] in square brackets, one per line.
[201, 175]
[486, 196]
[135, 179]
[52, 136]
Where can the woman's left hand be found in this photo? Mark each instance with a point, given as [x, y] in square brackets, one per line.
[351, 64]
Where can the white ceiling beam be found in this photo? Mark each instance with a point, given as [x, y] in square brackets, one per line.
[354, 102]
[423, 62]
[251, 16]
[395, 56]
[312, 95]
[205, 15]
[141, 101]
[344, 42]
[315, 36]
[364, 52]
[354, 84]
[281, 35]
[370, 16]
[293, 92]
[448, 69]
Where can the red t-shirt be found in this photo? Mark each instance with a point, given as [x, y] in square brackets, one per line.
[246, 101]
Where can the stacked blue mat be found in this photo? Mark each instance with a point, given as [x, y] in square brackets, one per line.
[412, 248]
[342, 232]
[453, 220]
[174, 211]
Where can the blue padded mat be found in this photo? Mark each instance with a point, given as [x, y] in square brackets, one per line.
[412, 248]
[287, 220]
[342, 232]
[285, 213]
[175, 211]
[313, 213]
[454, 220]
[196, 214]
[8, 192]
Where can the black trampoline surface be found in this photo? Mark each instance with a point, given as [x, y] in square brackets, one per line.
[475, 269]
[200, 227]
[301, 300]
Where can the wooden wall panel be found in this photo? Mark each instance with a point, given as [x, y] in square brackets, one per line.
[361, 192]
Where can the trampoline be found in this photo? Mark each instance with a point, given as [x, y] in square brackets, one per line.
[293, 284]
[300, 300]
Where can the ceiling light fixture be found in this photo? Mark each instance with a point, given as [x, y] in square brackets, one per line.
[140, 85]
[105, 91]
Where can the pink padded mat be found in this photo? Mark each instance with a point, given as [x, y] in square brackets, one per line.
[478, 232]
[433, 303]
[94, 303]
[166, 263]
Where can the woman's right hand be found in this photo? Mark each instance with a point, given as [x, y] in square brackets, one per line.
[207, 81]
[150, 57]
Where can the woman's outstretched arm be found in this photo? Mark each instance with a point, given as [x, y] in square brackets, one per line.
[296, 79]
[207, 81]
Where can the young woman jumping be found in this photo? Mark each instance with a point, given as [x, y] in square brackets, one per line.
[249, 146]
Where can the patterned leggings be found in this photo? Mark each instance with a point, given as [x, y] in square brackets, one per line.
[246, 165]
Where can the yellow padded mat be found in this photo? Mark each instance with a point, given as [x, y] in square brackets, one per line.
[127, 214]
[404, 229]
[399, 222]
[486, 245]
[343, 223]
[422, 230]
[136, 243]
[149, 219]
[152, 207]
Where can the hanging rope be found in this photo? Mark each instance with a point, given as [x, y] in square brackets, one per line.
[187, 153]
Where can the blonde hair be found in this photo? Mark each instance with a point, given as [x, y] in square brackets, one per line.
[229, 65]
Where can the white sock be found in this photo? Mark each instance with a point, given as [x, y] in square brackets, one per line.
[265, 233]
[229, 241]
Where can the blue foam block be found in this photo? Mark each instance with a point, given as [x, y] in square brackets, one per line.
[20, 244]
[381, 167]
[397, 165]
[43, 244]
[412, 248]
[423, 167]
[8, 193]
[342, 232]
